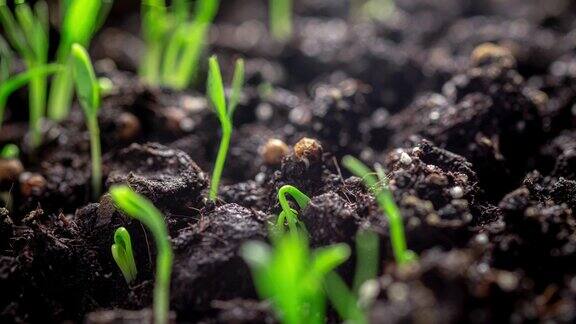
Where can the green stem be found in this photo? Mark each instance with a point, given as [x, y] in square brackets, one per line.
[220, 161]
[162, 284]
[150, 70]
[37, 99]
[281, 19]
[96, 153]
[61, 95]
[301, 199]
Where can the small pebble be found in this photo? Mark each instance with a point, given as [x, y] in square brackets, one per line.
[405, 159]
[456, 192]
[274, 151]
[31, 183]
[308, 149]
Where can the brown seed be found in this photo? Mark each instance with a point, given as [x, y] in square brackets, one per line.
[10, 169]
[273, 151]
[31, 183]
[129, 126]
[308, 149]
[489, 53]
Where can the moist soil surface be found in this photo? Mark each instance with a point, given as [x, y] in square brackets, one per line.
[468, 105]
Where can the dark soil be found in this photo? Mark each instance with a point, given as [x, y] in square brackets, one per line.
[479, 142]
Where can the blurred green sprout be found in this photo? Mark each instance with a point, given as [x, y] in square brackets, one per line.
[387, 204]
[141, 209]
[225, 113]
[280, 19]
[123, 255]
[174, 40]
[9, 151]
[291, 276]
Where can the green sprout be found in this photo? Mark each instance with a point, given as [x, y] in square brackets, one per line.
[8, 86]
[27, 31]
[174, 40]
[123, 255]
[280, 16]
[81, 20]
[88, 91]
[9, 151]
[292, 277]
[215, 89]
[287, 213]
[140, 208]
[346, 302]
[386, 202]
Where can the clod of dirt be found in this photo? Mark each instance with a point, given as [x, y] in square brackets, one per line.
[243, 311]
[116, 316]
[329, 219]
[166, 176]
[274, 151]
[207, 265]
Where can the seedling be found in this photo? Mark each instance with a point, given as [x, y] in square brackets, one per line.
[292, 277]
[140, 208]
[27, 31]
[9, 151]
[287, 213]
[174, 40]
[82, 18]
[88, 91]
[280, 16]
[215, 88]
[387, 205]
[123, 255]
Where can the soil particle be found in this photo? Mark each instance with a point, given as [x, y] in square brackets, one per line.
[329, 219]
[207, 262]
[242, 311]
[10, 169]
[166, 176]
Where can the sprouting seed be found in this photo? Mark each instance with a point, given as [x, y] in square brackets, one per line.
[288, 214]
[123, 255]
[291, 276]
[140, 208]
[88, 91]
[215, 88]
[9, 151]
[387, 205]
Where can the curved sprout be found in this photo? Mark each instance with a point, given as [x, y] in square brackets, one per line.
[288, 213]
[123, 255]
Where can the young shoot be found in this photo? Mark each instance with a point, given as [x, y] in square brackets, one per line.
[287, 213]
[140, 208]
[225, 112]
[387, 204]
[27, 31]
[280, 16]
[292, 277]
[123, 255]
[88, 91]
[174, 40]
[9, 151]
[81, 20]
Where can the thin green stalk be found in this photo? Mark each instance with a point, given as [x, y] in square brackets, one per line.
[288, 213]
[96, 156]
[387, 205]
[37, 97]
[280, 16]
[220, 160]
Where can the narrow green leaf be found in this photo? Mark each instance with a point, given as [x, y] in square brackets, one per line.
[87, 87]
[215, 89]
[237, 83]
[328, 258]
[9, 151]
